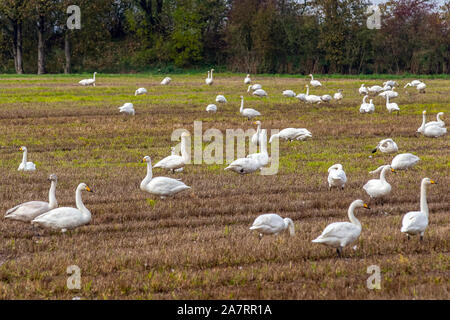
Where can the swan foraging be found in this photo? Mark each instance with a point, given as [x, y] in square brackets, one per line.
[260, 93]
[271, 223]
[160, 186]
[26, 165]
[220, 98]
[166, 81]
[338, 95]
[386, 146]
[326, 98]
[420, 86]
[363, 90]
[66, 218]
[211, 108]
[292, 134]
[375, 89]
[432, 129]
[247, 79]
[248, 112]
[254, 87]
[29, 210]
[404, 161]
[140, 91]
[244, 165]
[209, 80]
[173, 161]
[390, 83]
[340, 234]
[314, 83]
[416, 222]
[257, 137]
[389, 93]
[289, 93]
[312, 98]
[127, 108]
[392, 106]
[378, 188]
[367, 107]
[336, 176]
[88, 82]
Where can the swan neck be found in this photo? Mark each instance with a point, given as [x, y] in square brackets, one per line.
[242, 104]
[351, 215]
[423, 198]
[364, 99]
[212, 74]
[383, 174]
[52, 196]
[307, 91]
[80, 205]
[149, 175]
[424, 120]
[24, 156]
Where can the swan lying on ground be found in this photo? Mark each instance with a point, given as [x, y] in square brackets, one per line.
[26, 165]
[29, 210]
[289, 93]
[340, 234]
[404, 161]
[432, 129]
[220, 98]
[338, 95]
[292, 134]
[367, 107]
[166, 81]
[88, 82]
[127, 108]
[386, 146]
[247, 79]
[140, 91]
[271, 223]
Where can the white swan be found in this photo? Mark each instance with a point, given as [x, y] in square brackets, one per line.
[209, 80]
[314, 83]
[220, 98]
[390, 83]
[340, 234]
[416, 222]
[248, 112]
[211, 108]
[173, 162]
[262, 157]
[256, 138]
[404, 161]
[392, 106]
[29, 210]
[336, 176]
[367, 107]
[375, 89]
[26, 165]
[88, 82]
[66, 218]
[271, 223]
[244, 165]
[301, 97]
[127, 108]
[254, 87]
[247, 79]
[260, 93]
[389, 93]
[386, 88]
[326, 98]
[421, 87]
[432, 129]
[386, 146]
[160, 186]
[338, 95]
[166, 81]
[140, 91]
[438, 122]
[378, 188]
[363, 90]
[292, 134]
[311, 98]
[289, 93]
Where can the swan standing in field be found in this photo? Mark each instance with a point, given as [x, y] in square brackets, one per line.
[66, 218]
[363, 90]
[260, 93]
[127, 108]
[386, 146]
[311, 98]
[174, 162]
[326, 98]
[209, 80]
[26, 165]
[392, 106]
[404, 161]
[375, 89]
[254, 87]
[390, 83]
[244, 165]
[389, 93]
[271, 223]
[367, 107]
[314, 83]
[211, 108]
[432, 129]
[160, 186]
[140, 91]
[256, 138]
[166, 81]
[247, 79]
[88, 82]
[29, 210]
[420, 86]
[378, 188]
[336, 176]
[220, 98]
[338, 95]
[292, 134]
[416, 222]
[289, 93]
[340, 234]
[248, 112]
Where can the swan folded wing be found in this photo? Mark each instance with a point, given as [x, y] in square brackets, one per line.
[376, 188]
[338, 175]
[244, 165]
[339, 233]
[414, 222]
[165, 185]
[61, 218]
[268, 223]
[28, 210]
[170, 162]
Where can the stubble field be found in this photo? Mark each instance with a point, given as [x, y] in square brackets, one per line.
[197, 245]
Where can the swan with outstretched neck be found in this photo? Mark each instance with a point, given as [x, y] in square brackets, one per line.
[432, 129]
[248, 112]
[378, 188]
[174, 161]
[26, 165]
[88, 82]
[416, 222]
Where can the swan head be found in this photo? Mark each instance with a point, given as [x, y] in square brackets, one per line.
[53, 177]
[310, 75]
[440, 114]
[248, 76]
[340, 90]
[23, 148]
[185, 134]
[424, 112]
[257, 122]
[337, 166]
[242, 97]
[146, 159]
[428, 181]
[359, 203]
[84, 187]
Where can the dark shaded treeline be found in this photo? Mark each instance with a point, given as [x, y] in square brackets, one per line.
[257, 36]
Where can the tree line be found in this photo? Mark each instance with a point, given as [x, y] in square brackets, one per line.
[256, 36]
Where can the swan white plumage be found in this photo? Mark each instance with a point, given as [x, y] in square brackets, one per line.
[127, 108]
[26, 165]
[338, 95]
[271, 223]
[254, 87]
[416, 222]
[314, 83]
[262, 157]
[378, 188]
[432, 129]
[392, 106]
[174, 161]
[367, 107]
[160, 186]
[420, 86]
[66, 218]
[256, 138]
[88, 82]
[336, 176]
[404, 161]
[248, 112]
[390, 83]
[375, 89]
[438, 122]
[363, 90]
[386, 88]
[209, 80]
[389, 93]
[326, 98]
[140, 91]
[220, 98]
[386, 146]
[340, 234]
[166, 81]
[289, 93]
[292, 134]
[29, 210]
[260, 93]
[311, 98]
[247, 79]
[211, 108]
[244, 165]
